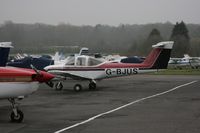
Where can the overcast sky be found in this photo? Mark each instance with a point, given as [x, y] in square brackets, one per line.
[92, 12]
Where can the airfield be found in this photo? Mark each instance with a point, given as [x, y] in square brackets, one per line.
[133, 104]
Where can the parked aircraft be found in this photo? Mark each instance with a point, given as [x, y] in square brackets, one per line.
[91, 69]
[59, 60]
[16, 83]
[39, 62]
[185, 62]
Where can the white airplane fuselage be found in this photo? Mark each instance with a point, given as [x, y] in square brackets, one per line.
[95, 73]
[17, 82]
[17, 89]
[91, 69]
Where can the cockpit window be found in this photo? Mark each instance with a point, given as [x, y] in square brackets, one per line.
[81, 61]
[70, 61]
[93, 62]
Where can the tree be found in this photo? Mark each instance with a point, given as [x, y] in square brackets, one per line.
[195, 47]
[181, 40]
[153, 38]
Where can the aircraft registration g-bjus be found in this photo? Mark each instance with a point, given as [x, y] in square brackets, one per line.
[16, 83]
[90, 69]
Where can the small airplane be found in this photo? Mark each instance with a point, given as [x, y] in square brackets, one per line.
[59, 58]
[185, 62]
[39, 62]
[16, 83]
[91, 69]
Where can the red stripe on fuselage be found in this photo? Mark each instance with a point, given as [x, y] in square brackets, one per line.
[15, 72]
[23, 75]
[148, 63]
[15, 75]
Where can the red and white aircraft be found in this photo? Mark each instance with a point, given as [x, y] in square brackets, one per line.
[91, 69]
[16, 83]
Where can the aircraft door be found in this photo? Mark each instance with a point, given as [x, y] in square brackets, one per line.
[81, 61]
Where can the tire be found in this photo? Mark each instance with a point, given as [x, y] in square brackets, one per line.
[59, 86]
[92, 86]
[17, 119]
[77, 87]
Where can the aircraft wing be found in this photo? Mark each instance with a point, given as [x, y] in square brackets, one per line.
[75, 77]
[69, 76]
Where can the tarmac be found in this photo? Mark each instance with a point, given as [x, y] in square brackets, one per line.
[133, 104]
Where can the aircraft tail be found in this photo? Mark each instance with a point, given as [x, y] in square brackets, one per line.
[159, 56]
[4, 52]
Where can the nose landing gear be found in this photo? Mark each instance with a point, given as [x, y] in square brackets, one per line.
[59, 86]
[16, 114]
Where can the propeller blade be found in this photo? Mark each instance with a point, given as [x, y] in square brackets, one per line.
[37, 71]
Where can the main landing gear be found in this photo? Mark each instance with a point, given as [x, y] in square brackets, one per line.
[77, 87]
[92, 85]
[16, 114]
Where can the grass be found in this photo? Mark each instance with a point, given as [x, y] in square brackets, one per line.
[186, 71]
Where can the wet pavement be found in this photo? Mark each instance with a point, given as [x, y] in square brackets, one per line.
[49, 111]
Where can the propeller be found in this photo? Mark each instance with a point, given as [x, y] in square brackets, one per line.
[49, 83]
[38, 73]
[35, 69]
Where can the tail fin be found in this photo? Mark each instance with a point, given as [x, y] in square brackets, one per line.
[160, 55]
[4, 52]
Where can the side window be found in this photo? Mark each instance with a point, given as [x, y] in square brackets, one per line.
[81, 61]
[70, 61]
[93, 62]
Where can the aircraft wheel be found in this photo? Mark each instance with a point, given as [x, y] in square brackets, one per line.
[77, 87]
[92, 86]
[59, 86]
[19, 118]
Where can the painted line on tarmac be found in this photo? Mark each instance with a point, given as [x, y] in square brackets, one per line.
[121, 107]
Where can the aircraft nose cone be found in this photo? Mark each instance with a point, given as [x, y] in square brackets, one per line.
[47, 76]
[44, 77]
